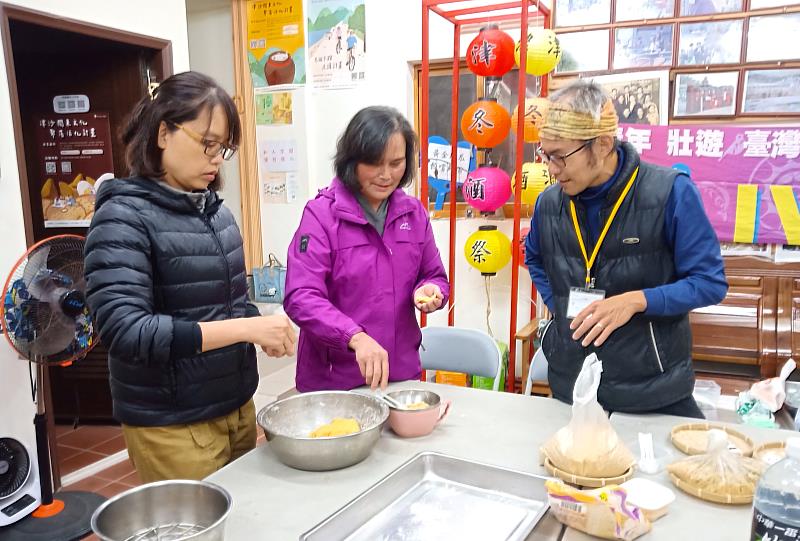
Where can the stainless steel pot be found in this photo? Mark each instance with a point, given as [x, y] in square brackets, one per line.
[179, 510]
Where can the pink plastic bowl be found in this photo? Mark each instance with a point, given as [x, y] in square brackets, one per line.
[415, 423]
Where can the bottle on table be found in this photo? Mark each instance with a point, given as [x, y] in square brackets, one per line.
[776, 506]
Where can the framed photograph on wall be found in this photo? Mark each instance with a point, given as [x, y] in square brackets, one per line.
[639, 97]
[771, 91]
[701, 44]
[787, 253]
[773, 37]
[761, 4]
[636, 10]
[706, 94]
[742, 249]
[643, 46]
[583, 51]
[582, 12]
[707, 7]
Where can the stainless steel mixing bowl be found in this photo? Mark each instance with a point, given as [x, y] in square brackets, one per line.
[165, 511]
[288, 423]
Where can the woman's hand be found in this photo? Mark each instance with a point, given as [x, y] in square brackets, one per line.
[372, 359]
[274, 334]
[428, 298]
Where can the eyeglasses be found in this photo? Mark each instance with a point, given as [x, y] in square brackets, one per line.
[560, 161]
[210, 148]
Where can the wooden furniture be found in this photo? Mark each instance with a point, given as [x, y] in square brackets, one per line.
[748, 336]
[527, 335]
[81, 392]
[757, 325]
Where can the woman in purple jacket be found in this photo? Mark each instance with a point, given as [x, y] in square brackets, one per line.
[362, 259]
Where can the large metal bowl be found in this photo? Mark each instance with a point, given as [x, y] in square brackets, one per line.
[165, 511]
[288, 423]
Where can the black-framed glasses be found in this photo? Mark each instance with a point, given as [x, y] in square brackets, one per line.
[210, 148]
[559, 160]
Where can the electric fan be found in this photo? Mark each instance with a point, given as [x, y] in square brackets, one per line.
[20, 493]
[47, 321]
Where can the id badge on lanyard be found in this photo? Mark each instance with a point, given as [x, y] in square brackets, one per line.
[581, 297]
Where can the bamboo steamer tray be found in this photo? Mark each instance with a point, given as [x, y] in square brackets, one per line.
[771, 452]
[728, 499]
[592, 482]
[692, 438]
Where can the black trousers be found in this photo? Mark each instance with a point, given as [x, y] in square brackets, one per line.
[686, 407]
[682, 408]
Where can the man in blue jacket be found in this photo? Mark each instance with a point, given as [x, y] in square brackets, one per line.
[621, 251]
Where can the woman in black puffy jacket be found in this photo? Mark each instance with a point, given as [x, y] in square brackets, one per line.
[167, 285]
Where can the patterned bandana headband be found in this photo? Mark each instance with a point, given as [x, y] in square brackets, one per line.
[562, 122]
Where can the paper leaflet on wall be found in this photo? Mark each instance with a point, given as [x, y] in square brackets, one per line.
[275, 42]
[440, 164]
[337, 54]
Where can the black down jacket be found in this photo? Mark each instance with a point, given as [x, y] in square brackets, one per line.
[154, 265]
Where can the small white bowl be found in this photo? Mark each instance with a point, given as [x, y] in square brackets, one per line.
[652, 498]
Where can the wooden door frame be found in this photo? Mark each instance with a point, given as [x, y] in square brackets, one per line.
[19, 14]
[248, 149]
[39, 18]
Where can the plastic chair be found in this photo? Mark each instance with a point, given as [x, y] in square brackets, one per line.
[537, 373]
[461, 350]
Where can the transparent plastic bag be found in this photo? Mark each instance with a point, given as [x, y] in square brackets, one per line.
[588, 446]
[772, 392]
[718, 475]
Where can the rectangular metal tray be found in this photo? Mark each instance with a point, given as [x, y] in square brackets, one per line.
[435, 496]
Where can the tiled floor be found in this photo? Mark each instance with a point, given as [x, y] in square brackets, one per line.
[80, 447]
[86, 444]
[118, 479]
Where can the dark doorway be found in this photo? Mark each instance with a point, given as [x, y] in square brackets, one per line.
[48, 56]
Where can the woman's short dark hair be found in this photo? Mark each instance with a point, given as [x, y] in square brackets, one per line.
[365, 140]
[180, 98]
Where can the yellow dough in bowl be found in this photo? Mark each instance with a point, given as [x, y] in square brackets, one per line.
[416, 405]
[337, 427]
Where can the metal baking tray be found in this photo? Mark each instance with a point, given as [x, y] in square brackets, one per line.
[435, 496]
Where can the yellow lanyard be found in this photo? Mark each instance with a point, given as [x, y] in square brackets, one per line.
[590, 261]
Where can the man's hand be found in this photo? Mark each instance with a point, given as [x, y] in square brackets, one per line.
[596, 322]
[372, 359]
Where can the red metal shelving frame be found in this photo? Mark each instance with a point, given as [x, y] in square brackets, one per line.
[459, 17]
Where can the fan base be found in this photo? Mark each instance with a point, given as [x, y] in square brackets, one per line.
[72, 523]
[50, 510]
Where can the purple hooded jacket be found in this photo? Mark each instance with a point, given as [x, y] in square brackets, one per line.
[342, 277]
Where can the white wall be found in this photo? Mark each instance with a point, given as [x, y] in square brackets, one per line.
[210, 31]
[394, 40]
[164, 19]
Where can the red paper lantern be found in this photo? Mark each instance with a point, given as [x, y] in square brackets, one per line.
[491, 52]
[485, 124]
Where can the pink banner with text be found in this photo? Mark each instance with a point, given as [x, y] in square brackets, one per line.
[748, 176]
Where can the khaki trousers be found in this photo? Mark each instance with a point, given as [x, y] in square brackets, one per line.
[191, 451]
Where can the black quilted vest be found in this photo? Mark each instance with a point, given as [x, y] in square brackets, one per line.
[647, 363]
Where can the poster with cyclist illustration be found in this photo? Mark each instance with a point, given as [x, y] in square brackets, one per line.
[336, 43]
